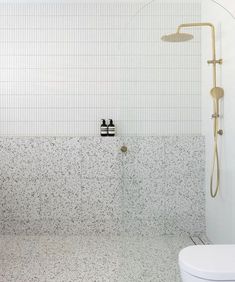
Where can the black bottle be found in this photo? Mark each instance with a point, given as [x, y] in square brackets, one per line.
[111, 128]
[103, 128]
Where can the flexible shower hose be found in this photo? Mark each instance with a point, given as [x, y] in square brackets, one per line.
[215, 163]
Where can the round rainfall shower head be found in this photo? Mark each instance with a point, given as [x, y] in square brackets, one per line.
[177, 37]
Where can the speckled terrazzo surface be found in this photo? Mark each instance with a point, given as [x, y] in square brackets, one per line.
[90, 258]
[98, 214]
[86, 185]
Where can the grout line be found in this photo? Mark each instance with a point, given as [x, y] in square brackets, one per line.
[93, 108]
[192, 240]
[101, 55]
[87, 121]
[201, 240]
[95, 15]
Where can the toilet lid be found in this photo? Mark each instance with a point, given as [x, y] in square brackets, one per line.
[209, 261]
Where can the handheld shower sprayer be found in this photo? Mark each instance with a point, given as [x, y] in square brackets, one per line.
[216, 92]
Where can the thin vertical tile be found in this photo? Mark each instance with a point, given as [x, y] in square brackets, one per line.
[74, 64]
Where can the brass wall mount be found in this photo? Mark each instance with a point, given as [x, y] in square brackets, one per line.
[220, 62]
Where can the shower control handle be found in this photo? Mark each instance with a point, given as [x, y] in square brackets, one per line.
[220, 61]
[215, 116]
[124, 149]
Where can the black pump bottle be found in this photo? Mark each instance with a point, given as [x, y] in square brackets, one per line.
[111, 128]
[104, 128]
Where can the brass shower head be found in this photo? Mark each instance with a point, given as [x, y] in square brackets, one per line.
[177, 37]
[217, 93]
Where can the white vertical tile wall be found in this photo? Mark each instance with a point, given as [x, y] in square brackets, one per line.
[63, 67]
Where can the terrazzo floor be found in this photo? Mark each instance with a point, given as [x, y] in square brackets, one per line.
[90, 258]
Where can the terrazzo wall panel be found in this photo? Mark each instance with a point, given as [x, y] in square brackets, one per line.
[62, 185]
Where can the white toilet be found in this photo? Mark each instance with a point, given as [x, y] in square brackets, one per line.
[207, 263]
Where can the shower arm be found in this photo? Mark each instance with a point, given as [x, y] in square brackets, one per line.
[213, 61]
